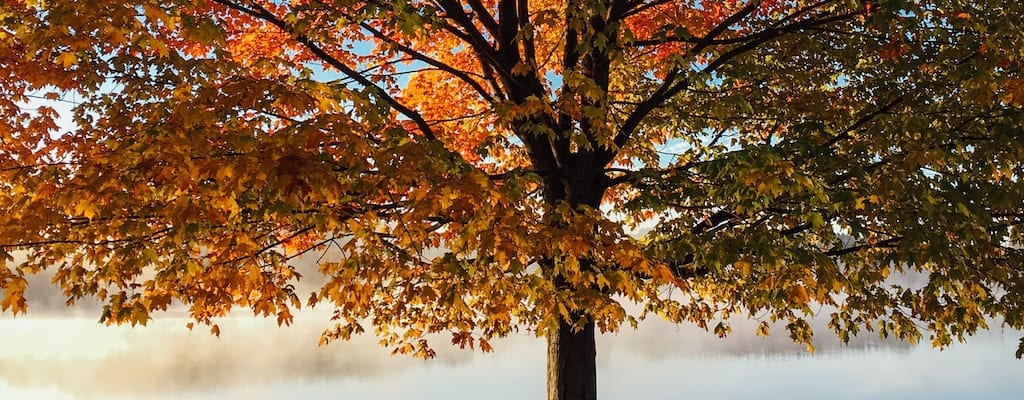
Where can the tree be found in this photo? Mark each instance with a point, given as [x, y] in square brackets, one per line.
[487, 166]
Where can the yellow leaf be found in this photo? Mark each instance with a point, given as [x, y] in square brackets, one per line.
[14, 296]
[763, 329]
[744, 266]
[226, 172]
[799, 295]
[67, 59]
[521, 69]
[86, 208]
[860, 204]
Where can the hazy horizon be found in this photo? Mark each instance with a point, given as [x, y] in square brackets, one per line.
[76, 358]
[56, 352]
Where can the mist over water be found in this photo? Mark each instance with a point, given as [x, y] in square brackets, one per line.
[62, 353]
[76, 358]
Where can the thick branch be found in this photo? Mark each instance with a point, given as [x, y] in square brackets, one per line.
[40, 243]
[485, 16]
[673, 84]
[891, 242]
[461, 75]
[265, 15]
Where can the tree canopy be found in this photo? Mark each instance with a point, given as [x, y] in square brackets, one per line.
[488, 166]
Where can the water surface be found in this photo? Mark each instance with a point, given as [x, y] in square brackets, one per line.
[75, 358]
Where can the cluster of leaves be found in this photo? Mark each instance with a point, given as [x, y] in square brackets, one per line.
[475, 168]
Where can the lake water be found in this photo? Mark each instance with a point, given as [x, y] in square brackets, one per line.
[75, 358]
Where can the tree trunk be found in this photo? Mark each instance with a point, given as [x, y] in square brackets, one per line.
[572, 363]
[572, 354]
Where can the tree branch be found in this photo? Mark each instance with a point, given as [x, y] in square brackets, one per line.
[263, 14]
[461, 75]
[671, 86]
[887, 243]
[485, 16]
[864, 120]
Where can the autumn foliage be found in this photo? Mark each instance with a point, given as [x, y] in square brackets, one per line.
[488, 166]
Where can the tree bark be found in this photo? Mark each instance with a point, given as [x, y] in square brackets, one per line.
[572, 362]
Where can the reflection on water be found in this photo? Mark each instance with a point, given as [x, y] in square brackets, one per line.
[71, 358]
